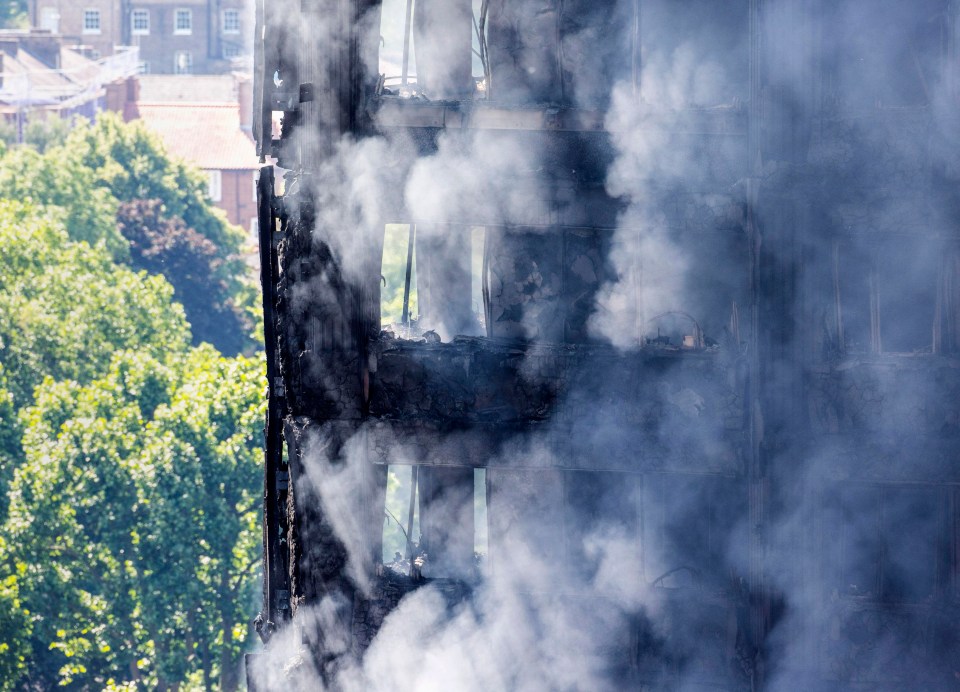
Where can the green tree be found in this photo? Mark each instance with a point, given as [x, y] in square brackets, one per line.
[13, 14]
[130, 162]
[14, 630]
[112, 182]
[43, 133]
[63, 187]
[66, 306]
[191, 263]
[133, 522]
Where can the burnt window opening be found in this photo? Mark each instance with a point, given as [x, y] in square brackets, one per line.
[888, 543]
[687, 522]
[694, 53]
[896, 296]
[399, 307]
[553, 52]
[692, 284]
[884, 53]
[432, 280]
[481, 534]
[401, 521]
[673, 329]
[432, 48]
[448, 535]
[542, 283]
[602, 523]
[435, 521]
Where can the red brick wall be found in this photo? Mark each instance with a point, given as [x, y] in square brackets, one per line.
[236, 197]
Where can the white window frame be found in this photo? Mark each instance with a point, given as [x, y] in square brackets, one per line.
[140, 14]
[215, 184]
[235, 13]
[91, 13]
[188, 67]
[187, 28]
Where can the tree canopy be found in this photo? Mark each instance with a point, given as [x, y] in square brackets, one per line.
[111, 167]
[130, 478]
[65, 306]
[132, 528]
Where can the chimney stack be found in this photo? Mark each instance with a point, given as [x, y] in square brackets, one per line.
[245, 101]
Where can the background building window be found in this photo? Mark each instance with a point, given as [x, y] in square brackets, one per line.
[231, 51]
[215, 185]
[183, 22]
[140, 22]
[91, 21]
[231, 21]
[182, 62]
[50, 19]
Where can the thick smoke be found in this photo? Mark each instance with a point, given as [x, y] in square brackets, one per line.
[661, 569]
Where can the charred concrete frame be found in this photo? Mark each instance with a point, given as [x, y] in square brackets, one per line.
[811, 338]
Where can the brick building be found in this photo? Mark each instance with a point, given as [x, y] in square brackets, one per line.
[174, 36]
[202, 120]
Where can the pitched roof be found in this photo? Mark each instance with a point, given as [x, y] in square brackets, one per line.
[191, 88]
[208, 135]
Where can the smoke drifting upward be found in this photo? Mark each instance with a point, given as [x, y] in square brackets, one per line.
[716, 392]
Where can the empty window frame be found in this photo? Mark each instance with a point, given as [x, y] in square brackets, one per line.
[183, 21]
[182, 62]
[889, 541]
[91, 21]
[895, 296]
[140, 22]
[231, 21]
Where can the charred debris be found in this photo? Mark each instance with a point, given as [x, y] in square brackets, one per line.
[725, 313]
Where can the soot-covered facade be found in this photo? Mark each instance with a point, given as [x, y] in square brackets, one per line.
[718, 321]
